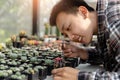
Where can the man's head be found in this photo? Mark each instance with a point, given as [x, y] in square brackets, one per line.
[73, 18]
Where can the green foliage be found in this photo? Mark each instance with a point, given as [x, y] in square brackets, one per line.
[23, 58]
[48, 62]
[13, 56]
[33, 59]
[9, 72]
[3, 74]
[58, 33]
[2, 56]
[3, 67]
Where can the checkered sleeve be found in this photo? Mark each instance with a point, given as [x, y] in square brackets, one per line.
[94, 56]
[113, 19]
[99, 75]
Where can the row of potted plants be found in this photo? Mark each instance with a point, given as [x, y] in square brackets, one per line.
[26, 58]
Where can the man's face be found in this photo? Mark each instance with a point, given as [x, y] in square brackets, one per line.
[76, 27]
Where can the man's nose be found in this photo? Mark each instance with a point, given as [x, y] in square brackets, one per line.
[70, 37]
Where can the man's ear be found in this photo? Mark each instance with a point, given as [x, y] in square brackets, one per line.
[84, 11]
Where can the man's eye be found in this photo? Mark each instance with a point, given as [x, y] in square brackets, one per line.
[69, 28]
[64, 35]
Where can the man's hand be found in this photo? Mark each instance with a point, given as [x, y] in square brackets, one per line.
[74, 50]
[65, 73]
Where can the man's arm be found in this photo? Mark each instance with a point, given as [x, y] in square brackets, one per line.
[99, 75]
[94, 57]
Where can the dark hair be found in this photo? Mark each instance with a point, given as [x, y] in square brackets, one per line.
[68, 6]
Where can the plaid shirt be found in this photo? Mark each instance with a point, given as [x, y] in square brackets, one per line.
[108, 49]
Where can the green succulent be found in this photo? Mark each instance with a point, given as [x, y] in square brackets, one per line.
[30, 65]
[2, 56]
[33, 59]
[21, 77]
[36, 69]
[3, 74]
[25, 65]
[49, 62]
[15, 69]
[18, 77]
[19, 55]
[14, 77]
[30, 54]
[13, 62]
[18, 62]
[36, 53]
[9, 44]
[2, 61]
[23, 58]
[39, 67]
[18, 73]
[29, 71]
[13, 56]
[9, 72]
[3, 67]
[21, 68]
[26, 71]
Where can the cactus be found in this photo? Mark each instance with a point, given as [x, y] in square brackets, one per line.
[13, 56]
[46, 28]
[3, 67]
[17, 77]
[23, 58]
[58, 34]
[2, 56]
[9, 44]
[2, 61]
[33, 59]
[3, 74]
[48, 62]
[9, 72]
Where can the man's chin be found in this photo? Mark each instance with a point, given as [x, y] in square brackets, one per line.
[84, 42]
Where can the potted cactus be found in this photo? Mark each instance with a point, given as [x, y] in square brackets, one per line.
[2, 56]
[33, 60]
[22, 35]
[31, 73]
[17, 76]
[42, 72]
[3, 67]
[23, 59]
[13, 56]
[10, 72]
[49, 64]
[12, 63]
[3, 75]
[2, 61]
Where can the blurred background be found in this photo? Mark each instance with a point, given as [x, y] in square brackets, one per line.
[29, 15]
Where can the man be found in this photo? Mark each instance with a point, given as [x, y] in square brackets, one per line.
[79, 21]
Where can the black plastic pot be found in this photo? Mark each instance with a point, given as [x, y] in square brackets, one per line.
[17, 44]
[49, 69]
[33, 76]
[42, 73]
